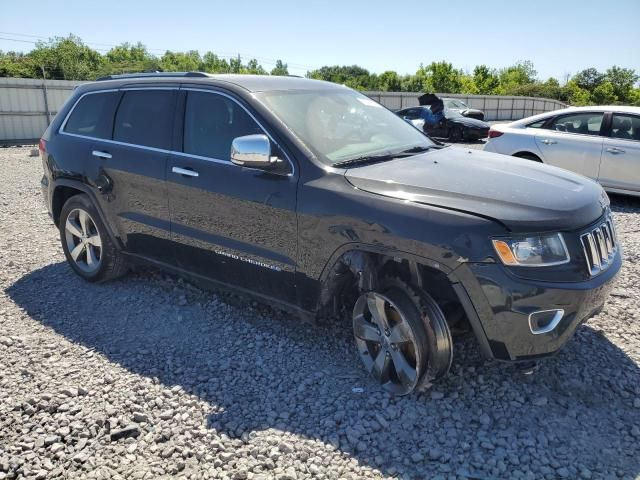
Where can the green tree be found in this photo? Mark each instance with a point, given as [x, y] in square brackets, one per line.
[16, 64]
[588, 79]
[67, 58]
[622, 80]
[254, 68]
[181, 61]
[604, 94]
[441, 77]
[211, 63]
[353, 76]
[486, 80]
[280, 68]
[576, 95]
[389, 81]
[515, 76]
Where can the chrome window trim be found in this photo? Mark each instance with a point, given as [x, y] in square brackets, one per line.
[264, 130]
[61, 130]
[115, 142]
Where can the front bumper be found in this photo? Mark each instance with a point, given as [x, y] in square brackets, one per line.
[500, 304]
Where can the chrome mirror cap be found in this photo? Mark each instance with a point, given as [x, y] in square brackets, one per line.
[252, 151]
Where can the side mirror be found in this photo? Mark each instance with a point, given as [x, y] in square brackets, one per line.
[253, 151]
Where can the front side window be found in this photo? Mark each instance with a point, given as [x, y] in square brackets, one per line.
[341, 124]
[211, 122]
[93, 115]
[145, 117]
[586, 123]
[625, 127]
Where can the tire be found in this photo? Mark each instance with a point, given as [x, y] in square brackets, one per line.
[86, 242]
[455, 134]
[402, 337]
[528, 156]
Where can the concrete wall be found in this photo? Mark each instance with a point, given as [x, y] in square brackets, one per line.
[495, 107]
[28, 105]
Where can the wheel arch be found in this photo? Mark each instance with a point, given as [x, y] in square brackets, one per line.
[363, 265]
[63, 190]
[528, 155]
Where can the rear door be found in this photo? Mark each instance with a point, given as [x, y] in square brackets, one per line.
[129, 170]
[233, 224]
[620, 167]
[573, 141]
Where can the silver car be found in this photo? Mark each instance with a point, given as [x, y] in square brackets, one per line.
[602, 143]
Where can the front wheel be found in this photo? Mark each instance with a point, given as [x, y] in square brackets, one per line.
[86, 243]
[402, 337]
[455, 134]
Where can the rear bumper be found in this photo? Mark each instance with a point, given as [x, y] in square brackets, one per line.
[503, 303]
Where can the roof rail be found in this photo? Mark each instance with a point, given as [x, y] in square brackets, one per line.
[152, 74]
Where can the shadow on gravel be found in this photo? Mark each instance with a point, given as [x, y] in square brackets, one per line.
[260, 369]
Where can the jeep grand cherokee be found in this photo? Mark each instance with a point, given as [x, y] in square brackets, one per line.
[316, 198]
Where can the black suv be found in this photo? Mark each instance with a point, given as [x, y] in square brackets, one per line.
[316, 198]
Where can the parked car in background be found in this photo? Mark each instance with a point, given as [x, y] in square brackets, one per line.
[602, 143]
[453, 126]
[317, 199]
[462, 108]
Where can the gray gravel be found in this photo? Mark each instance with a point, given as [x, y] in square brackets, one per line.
[150, 376]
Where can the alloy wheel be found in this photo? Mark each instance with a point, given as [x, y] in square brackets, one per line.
[83, 240]
[386, 343]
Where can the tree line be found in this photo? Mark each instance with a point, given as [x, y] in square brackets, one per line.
[68, 58]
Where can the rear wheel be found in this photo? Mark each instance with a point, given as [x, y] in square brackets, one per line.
[402, 337]
[86, 243]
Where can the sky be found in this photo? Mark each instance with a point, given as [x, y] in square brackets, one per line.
[560, 37]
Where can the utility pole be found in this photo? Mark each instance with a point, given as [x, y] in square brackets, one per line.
[46, 95]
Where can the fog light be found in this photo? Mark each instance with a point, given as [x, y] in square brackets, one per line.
[544, 321]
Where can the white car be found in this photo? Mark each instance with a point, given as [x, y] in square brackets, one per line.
[602, 143]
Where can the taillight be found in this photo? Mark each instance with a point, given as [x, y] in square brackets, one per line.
[42, 147]
[494, 133]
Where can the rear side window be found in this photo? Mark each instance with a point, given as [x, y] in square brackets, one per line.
[93, 115]
[211, 122]
[145, 117]
[625, 127]
[587, 123]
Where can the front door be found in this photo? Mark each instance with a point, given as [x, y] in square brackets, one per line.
[233, 224]
[620, 167]
[573, 142]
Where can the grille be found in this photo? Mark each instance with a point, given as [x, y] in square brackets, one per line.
[600, 246]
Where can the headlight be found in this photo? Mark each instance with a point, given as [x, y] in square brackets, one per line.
[532, 251]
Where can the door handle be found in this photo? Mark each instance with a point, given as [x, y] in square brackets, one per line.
[99, 154]
[546, 141]
[615, 150]
[185, 171]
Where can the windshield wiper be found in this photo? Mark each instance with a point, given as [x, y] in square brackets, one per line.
[367, 159]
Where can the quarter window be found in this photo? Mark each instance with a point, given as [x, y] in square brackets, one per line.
[585, 123]
[626, 127]
[211, 122]
[93, 115]
[145, 117]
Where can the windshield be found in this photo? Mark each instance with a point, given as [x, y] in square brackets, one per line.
[455, 104]
[339, 125]
[448, 113]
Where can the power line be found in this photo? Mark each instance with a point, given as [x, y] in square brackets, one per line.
[267, 60]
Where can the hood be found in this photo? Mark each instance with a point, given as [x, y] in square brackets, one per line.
[524, 196]
[468, 122]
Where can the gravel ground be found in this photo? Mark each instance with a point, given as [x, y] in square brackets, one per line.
[151, 377]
